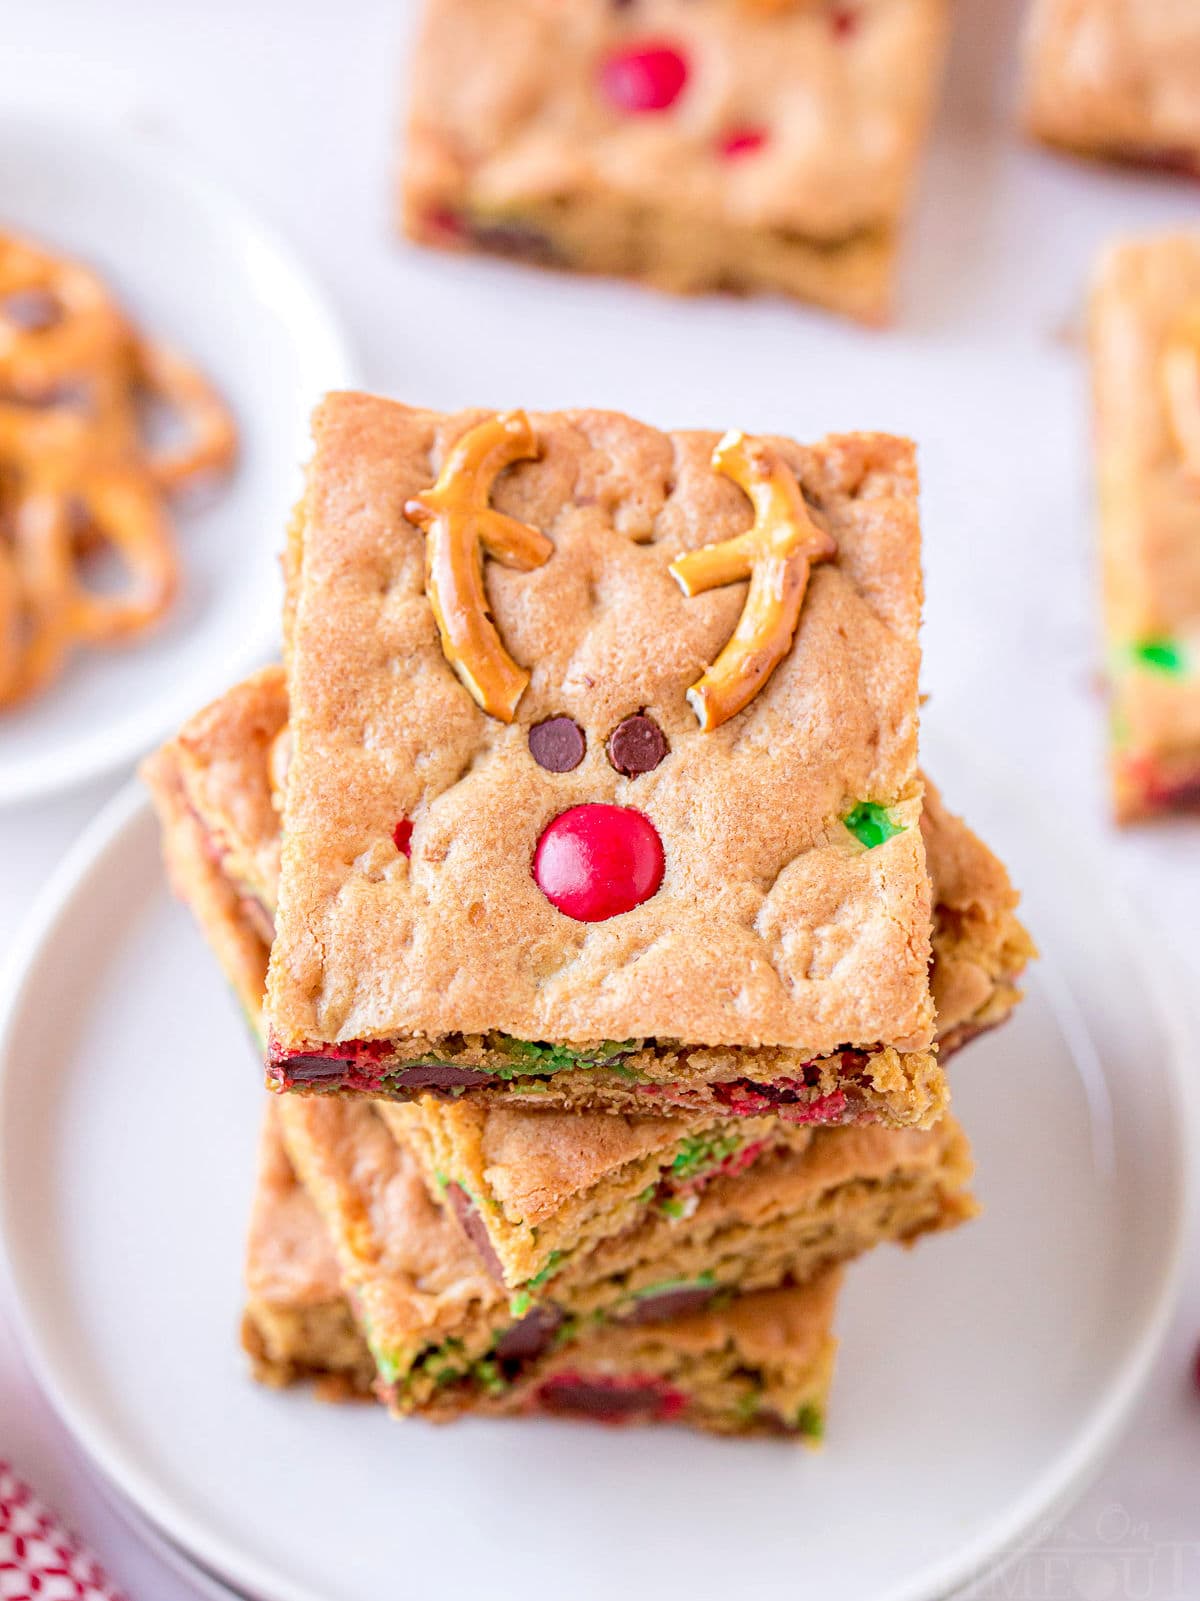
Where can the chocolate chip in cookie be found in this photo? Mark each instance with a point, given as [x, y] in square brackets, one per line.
[557, 744]
[637, 745]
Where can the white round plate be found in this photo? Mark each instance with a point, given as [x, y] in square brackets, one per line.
[204, 1583]
[195, 271]
[980, 1376]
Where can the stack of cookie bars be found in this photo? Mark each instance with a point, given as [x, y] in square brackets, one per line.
[612, 929]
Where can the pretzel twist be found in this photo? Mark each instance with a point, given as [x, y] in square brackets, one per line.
[210, 437]
[75, 471]
[57, 321]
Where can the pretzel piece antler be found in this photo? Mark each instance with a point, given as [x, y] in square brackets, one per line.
[460, 527]
[1181, 388]
[776, 555]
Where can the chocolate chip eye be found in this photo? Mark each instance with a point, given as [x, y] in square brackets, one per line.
[637, 745]
[557, 744]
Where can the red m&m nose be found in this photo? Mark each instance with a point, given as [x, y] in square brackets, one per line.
[595, 861]
[646, 77]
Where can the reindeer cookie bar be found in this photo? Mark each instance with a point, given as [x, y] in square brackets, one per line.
[681, 867]
[76, 471]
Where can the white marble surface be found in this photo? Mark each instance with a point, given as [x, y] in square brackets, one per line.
[292, 105]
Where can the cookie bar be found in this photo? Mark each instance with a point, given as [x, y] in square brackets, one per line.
[1116, 78]
[536, 1188]
[767, 1212]
[487, 1165]
[437, 1313]
[297, 1323]
[197, 869]
[214, 786]
[760, 1363]
[980, 946]
[692, 144]
[1145, 350]
[229, 761]
[598, 812]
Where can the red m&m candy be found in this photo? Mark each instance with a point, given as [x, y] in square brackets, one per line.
[596, 861]
[741, 141]
[645, 77]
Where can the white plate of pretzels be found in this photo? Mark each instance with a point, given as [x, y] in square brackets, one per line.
[159, 356]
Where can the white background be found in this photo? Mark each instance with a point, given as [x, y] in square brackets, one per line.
[293, 106]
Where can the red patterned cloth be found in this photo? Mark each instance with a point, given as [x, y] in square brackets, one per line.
[39, 1560]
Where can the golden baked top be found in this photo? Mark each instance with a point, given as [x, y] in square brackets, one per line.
[792, 905]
